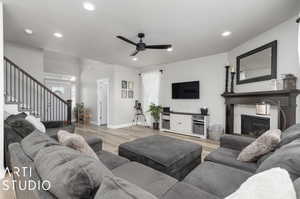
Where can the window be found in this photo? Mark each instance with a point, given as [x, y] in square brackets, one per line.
[151, 84]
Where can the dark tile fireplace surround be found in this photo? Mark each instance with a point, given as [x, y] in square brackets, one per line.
[286, 99]
[254, 126]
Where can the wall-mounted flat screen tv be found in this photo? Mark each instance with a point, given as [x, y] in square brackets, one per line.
[186, 90]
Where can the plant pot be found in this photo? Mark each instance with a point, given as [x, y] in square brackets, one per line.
[156, 125]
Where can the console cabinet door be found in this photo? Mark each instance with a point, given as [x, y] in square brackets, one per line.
[181, 123]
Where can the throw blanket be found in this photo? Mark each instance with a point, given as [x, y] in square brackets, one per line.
[271, 184]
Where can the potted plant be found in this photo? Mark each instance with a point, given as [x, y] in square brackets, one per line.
[155, 111]
[78, 109]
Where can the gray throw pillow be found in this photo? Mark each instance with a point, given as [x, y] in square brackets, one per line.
[73, 175]
[36, 141]
[118, 188]
[22, 127]
[286, 157]
[76, 142]
[290, 134]
[11, 118]
[261, 146]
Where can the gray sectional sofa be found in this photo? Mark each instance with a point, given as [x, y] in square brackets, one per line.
[217, 177]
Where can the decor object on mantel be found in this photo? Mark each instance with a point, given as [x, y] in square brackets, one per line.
[226, 78]
[285, 98]
[289, 81]
[232, 82]
[204, 111]
[264, 109]
[155, 111]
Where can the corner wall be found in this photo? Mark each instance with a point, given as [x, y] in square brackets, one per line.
[210, 72]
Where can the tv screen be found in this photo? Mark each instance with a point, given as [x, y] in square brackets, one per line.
[185, 90]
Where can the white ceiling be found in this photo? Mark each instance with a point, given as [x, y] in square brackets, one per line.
[194, 27]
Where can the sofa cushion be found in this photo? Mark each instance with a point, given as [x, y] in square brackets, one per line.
[149, 179]
[286, 157]
[36, 123]
[114, 187]
[52, 132]
[73, 175]
[217, 179]
[264, 144]
[229, 157]
[16, 116]
[290, 134]
[110, 160]
[185, 191]
[22, 127]
[35, 141]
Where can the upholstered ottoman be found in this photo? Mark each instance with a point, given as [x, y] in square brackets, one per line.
[171, 156]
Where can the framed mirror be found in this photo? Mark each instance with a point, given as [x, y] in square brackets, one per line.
[259, 64]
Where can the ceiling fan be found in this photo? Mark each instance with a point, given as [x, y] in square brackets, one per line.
[141, 46]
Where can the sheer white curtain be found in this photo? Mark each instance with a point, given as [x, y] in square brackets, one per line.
[151, 85]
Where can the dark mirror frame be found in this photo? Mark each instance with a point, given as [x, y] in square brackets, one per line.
[273, 75]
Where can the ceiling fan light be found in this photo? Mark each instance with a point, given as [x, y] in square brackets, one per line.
[135, 59]
[170, 49]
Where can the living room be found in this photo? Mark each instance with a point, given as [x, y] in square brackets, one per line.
[148, 92]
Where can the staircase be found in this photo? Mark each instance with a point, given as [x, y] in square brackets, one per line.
[32, 96]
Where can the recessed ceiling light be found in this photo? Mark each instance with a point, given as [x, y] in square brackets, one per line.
[58, 35]
[170, 49]
[134, 59]
[88, 6]
[226, 33]
[28, 31]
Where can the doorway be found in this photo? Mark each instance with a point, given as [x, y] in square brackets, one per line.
[103, 102]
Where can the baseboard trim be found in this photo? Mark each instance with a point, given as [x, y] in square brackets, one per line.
[119, 126]
[94, 122]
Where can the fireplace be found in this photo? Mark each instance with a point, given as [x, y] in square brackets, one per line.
[254, 126]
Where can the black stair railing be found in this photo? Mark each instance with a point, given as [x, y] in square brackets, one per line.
[32, 96]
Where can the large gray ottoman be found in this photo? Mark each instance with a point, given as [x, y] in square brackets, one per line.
[171, 156]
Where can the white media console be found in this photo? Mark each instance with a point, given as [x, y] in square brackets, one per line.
[192, 124]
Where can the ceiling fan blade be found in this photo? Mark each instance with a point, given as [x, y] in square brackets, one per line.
[159, 46]
[126, 40]
[135, 53]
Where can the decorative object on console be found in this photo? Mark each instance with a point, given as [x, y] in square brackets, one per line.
[226, 78]
[263, 108]
[289, 82]
[204, 111]
[155, 111]
[232, 82]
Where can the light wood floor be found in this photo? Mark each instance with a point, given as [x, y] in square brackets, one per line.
[112, 138]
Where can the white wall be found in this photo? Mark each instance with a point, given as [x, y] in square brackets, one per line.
[287, 58]
[91, 71]
[210, 72]
[120, 110]
[62, 64]
[286, 34]
[2, 96]
[124, 108]
[29, 59]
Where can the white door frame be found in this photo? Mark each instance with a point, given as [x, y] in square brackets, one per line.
[103, 81]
